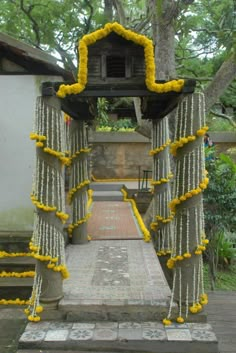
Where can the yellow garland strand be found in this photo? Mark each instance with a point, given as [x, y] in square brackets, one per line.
[89, 39]
[162, 180]
[72, 226]
[184, 140]
[63, 216]
[4, 274]
[76, 188]
[90, 198]
[17, 254]
[198, 251]
[146, 233]
[16, 301]
[159, 149]
[189, 194]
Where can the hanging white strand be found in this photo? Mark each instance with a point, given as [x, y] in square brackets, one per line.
[187, 301]
[172, 296]
[180, 292]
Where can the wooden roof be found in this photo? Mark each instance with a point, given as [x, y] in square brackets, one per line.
[27, 59]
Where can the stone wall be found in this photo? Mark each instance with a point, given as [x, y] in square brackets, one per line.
[119, 155]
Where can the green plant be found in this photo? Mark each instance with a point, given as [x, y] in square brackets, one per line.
[102, 112]
[219, 211]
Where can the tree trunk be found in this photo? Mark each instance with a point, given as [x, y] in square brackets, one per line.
[164, 38]
[108, 13]
[224, 76]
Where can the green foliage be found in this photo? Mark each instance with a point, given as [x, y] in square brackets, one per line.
[122, 125]
[102, 112]
[220, 196]
[225, 278]
[218, 124]
[219, 211]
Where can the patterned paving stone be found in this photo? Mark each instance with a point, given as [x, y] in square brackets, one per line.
[124, 325]
[39, 326]
[178, 335]
[154, 334]
[130, 333]
[81, 335]
[105, 335]
[202, 335]
[56, 335]
[33, 336]
[83, 326]
[60, 326]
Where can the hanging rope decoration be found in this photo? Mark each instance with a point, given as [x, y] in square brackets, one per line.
[48, 196]
[79, 181]
[162, 216]
[189, 238]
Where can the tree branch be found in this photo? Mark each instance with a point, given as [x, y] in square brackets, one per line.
[120, 11]
[89, 20]
[224, 116]
[35, 25]
[224, 76]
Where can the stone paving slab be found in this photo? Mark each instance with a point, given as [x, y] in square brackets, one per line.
[120, 337]
[118, 221]
[111, 279]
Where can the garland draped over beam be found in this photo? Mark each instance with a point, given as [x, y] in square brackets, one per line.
[189, 237]
[89, 39]
[48, 195]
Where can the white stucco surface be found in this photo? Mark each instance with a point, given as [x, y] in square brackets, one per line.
[17, 101]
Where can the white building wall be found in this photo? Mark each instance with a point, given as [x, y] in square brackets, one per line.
[17, 105]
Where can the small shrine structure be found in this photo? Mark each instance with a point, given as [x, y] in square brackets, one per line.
[117, 62]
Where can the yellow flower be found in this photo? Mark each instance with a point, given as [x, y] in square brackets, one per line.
[180, 320]
[166, 322]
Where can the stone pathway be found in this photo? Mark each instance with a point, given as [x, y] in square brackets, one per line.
[117, 218]
[114, 279]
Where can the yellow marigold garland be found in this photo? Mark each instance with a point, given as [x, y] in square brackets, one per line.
[71, 227]
[76, 188]
[89, 39]
[184, 140]
[189, 194]
[159, 149]
[16, 301]
[63, 216]
[146, 233]
[4, 274]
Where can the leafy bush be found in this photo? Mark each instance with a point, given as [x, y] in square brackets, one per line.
[220, 211]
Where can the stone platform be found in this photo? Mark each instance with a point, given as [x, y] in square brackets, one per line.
[114, 280]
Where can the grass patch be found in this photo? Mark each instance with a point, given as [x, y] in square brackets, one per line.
[226, 279]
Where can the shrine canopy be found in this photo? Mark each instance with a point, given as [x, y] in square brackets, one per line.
[117, 62]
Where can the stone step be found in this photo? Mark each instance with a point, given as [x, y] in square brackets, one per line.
[107, 196]
[17, 264]
[15, 241]
[106, 186]
[138, 337]
[12, 287]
